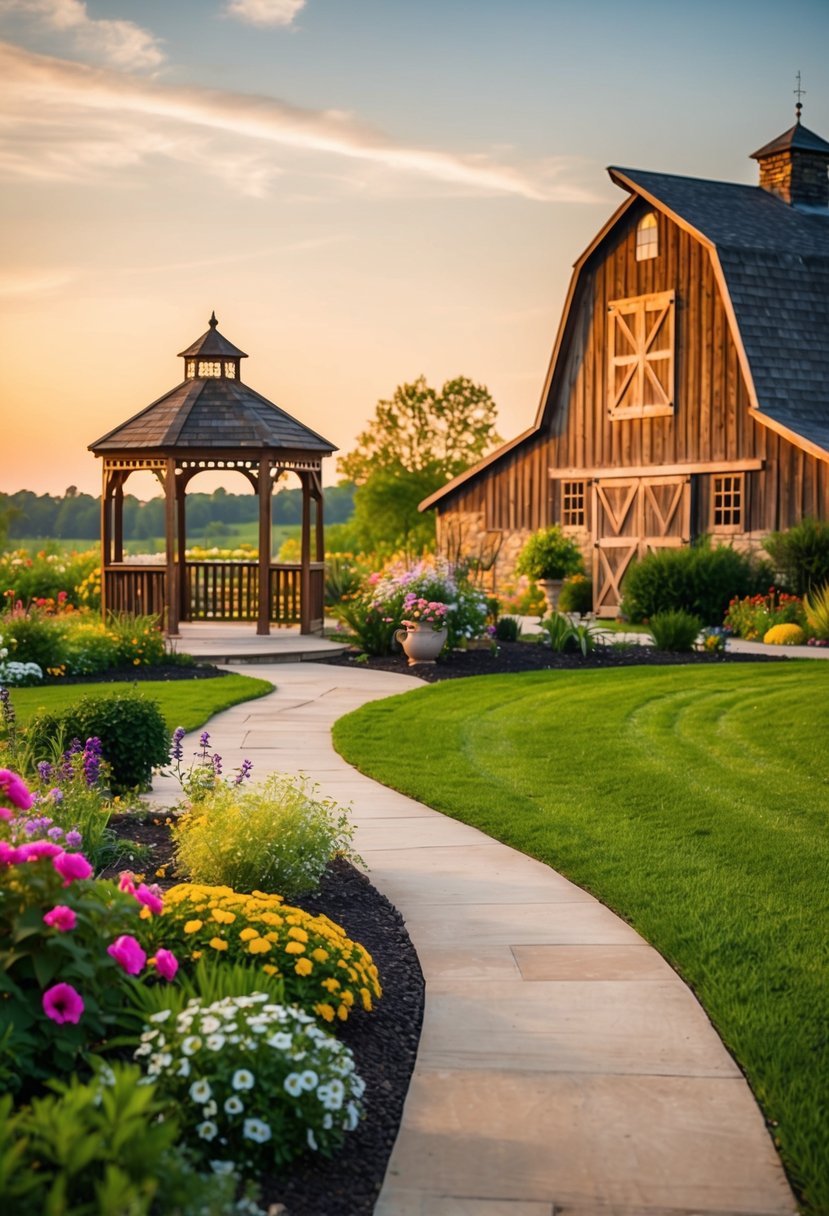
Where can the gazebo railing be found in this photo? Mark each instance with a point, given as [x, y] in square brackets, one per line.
[217, 591]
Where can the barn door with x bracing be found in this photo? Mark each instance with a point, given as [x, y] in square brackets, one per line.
[634, 516]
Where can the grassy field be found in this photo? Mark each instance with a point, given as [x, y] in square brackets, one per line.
[692, 801]
[187, 703]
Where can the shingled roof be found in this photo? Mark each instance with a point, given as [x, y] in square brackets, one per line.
[210, 414]
[775, 265]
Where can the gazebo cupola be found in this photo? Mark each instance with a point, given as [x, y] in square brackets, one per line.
[212, 357]
[212, 420]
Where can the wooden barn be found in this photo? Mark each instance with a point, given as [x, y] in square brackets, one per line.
[688, 388]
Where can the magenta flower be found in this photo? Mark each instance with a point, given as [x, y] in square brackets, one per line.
[61, 918]
[127, 953]
[166, 964]
[125, 882]
[6, 813]
[38, 848]
[9, 856]
[15, 789]
[62, 1003]
[149, 898]
[71, 866]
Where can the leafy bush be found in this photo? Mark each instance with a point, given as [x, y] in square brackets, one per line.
[816, 607]
[562, 636]
[674, 631]
[254, 1083]
[133, 734]
[699, 580]
[35, 636]
[278, 836]
[62, 578]
[801, 555]
[76, 643]
[576, 594]
[323, 971]
[550, 553]
[343, 576]
[103, 1146]
[784, 635]
[507, 628]
[752, 617]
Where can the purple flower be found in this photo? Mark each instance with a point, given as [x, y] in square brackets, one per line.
[177, 752]
[74, 839]
[63, 1003]
[7, 707]
[56, 795]
[217, 765]
[243, 772]
[204, 740]
[92, 761]
[44, 770]
[55, 833]
[127, 953]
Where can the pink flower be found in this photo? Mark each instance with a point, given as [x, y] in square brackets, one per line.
[128, 954]
[9, 856]
[38, 848]
[62, 1003]
[166, 964]
[149, 898]
[61, 918]
[15, 789]
[71, 866]
[125, 882]
[6, 813]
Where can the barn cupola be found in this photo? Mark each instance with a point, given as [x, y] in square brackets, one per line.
[212, 357]
[795, 166]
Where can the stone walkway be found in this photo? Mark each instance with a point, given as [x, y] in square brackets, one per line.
[563, 1066]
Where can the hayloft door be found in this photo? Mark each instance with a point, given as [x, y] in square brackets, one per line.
[633, 516]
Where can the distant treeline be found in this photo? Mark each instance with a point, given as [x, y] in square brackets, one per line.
[78, 515]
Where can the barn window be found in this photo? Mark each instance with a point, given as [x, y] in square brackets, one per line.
[647, 238]
[640, 356]
[191, 369]
[727, 504]
[572, 504]
[230, 371]
[210, 369]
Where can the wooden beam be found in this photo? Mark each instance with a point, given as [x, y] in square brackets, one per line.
[106, 556]
[181, 536]
[118, 519]
[263, 621]
[748, 465]
[171, 590]
[305, 557]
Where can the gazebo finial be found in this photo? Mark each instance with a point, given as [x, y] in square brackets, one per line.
[213, 322]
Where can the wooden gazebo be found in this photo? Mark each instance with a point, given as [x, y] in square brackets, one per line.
[212, 420]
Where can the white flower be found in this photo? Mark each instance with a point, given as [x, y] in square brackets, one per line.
[332, 1094]
[281, 1041]
[352, 1117]
[327, 1121]
[183, 1069]
[210, 1109]
[215, 1042]
[293, 1084]
[358, 1086]
[234, 1105]
[161, 1016]
[149, 1035]
[242, 1079]
[255, 1129]
[191, 1044]
[209, 1025]
[144, 1050]
[312, 1143]
[200, 1091]
[207, 1130]
[309, 1079]
[222, 1167]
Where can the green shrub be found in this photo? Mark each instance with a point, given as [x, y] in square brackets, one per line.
[752, 617]
[103, 1147]
[801, 555]
[699, 580]
[278, 836]
[576, 594]
[132, 730]
[550, 553]
[62, 578]
[34, 636]
[507, 628]
[816, 607]
[674, 631]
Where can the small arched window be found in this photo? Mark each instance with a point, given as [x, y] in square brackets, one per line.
[647, 238]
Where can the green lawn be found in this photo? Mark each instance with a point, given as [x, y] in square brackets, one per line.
[694, 802]
[187, 703]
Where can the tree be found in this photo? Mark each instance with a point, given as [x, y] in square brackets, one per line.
[415, 443]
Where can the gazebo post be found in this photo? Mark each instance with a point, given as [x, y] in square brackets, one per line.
[105, 540]
[181, 535]
[172, 595]
[305, 557]
[263, 622]
[118, 519]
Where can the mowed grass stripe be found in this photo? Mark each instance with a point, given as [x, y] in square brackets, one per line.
[694, 801]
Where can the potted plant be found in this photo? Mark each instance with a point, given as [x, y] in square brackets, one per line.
[424, 631]
[549, 556]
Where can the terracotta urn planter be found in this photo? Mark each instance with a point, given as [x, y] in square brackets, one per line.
[421, 643]
[552, 589]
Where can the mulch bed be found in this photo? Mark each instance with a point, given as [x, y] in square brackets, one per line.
[160, 671]
[384, 1042]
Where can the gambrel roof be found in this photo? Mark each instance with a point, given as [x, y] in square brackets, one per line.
[772, 262]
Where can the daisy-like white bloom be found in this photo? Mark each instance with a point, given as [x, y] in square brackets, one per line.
[161, 1016]
[331, 1095]
[234, 1105]
[210, 1109]
[149, 1035]
[191, 1044]
[281, 1041]
[309, 1079]
[293, 1084]
[207, 1130]
[243, 1078]
[312, 1143]
[327, 1121]
[144, 1050]
[222, 1167]
[200, 1091]
[358, 1087]
[183, 1069]
[256, 1129]
[210, 1024]
[215, 1042]
[352, 1117]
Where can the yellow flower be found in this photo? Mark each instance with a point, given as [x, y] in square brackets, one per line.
[342, 1012]
[193, 926]
[325, 1011]
[332, 985]
[294, 948]
[223, 917]
[196, 955]
[247, 934]
[259, 946]
[366, 998]
[272, 937]
[320, 955]
[347, 996]
[269, 969]
[217, 943]
[145, 913]
[298, 934]
[303, 966]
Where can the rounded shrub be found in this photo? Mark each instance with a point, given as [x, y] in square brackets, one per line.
[784, 635]
[699, 580]
[550, 553]
[576, 594]
[801, 555]
[674, 631]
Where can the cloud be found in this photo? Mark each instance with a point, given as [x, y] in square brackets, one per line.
[121, 43]
[66, 120]
[264, 12]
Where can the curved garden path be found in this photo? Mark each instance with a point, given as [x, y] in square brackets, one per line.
[563, 1066]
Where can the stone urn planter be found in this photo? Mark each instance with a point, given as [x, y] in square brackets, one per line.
[552, 589]
[421, 643]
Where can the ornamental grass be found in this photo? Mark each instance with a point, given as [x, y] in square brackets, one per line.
[322, 970]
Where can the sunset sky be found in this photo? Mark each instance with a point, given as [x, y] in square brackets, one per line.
[363, 190]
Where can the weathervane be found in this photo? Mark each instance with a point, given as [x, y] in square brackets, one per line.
[798, 92]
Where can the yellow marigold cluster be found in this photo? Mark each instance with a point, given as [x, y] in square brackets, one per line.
[321, 968]
[784, 635]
